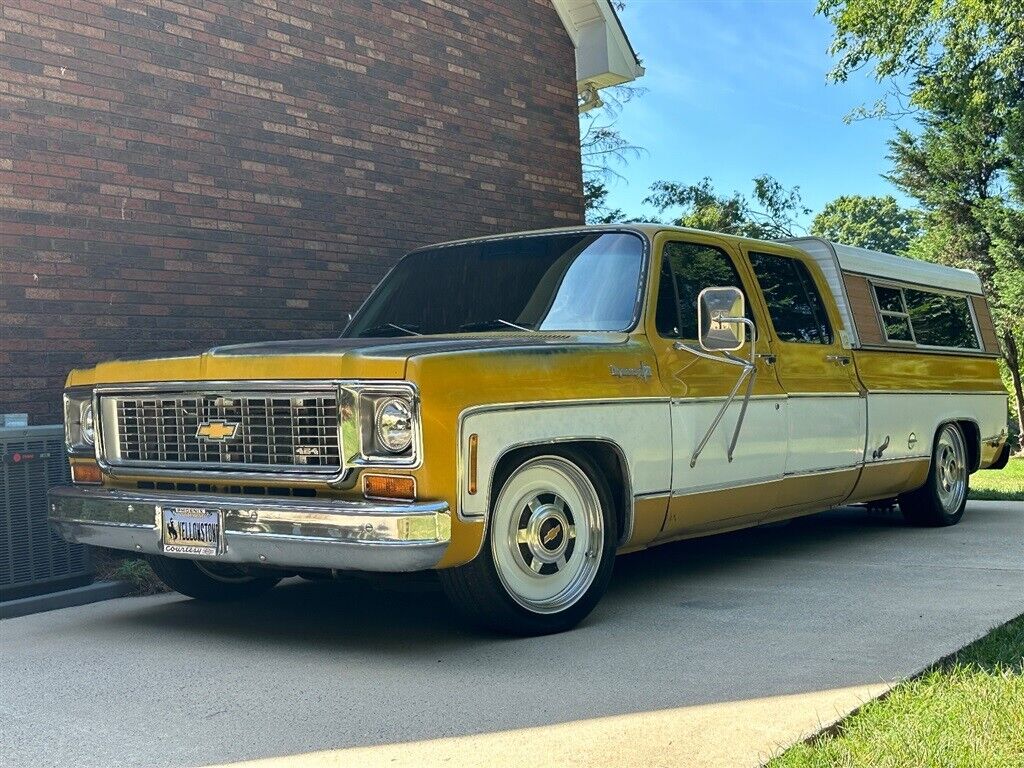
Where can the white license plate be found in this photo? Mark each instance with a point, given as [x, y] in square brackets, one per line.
[191, 531]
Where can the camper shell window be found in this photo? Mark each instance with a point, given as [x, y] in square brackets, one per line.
[926, 318]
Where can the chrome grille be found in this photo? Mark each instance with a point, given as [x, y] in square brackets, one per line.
[237, 431]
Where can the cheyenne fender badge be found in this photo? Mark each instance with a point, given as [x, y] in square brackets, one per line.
[643, 371]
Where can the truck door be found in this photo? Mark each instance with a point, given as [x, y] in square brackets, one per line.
[715, 489]
[827, 410]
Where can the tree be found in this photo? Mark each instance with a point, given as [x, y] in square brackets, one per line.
[595, 203]
[956, 67]
[923, 48]
[878, 223]
[603, 150]
[771, 214]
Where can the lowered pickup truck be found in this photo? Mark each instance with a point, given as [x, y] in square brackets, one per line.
[513, 411]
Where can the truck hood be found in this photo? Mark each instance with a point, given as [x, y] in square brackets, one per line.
[383, 358]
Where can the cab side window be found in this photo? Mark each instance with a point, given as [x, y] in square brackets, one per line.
[686, 270]
[796, 308]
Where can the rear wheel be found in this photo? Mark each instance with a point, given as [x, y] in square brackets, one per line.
[214, 582]
[941, 500]
[549, 550]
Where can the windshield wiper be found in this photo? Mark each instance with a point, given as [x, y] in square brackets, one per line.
[409, 330]
[488, 325]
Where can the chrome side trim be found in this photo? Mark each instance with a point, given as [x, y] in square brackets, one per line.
[307, 533]
[727, 486]
[988, 392]
[526, 404]
[788, 476]
[719, 398]
[910, 348]
[652, 495]
[822, 471]
[855, 395]
[902, 460]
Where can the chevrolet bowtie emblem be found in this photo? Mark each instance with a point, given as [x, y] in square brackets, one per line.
[217, 430]
[552, 534]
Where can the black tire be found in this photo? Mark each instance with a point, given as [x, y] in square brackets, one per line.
[213, 582]
[943, 497]
[479, 593]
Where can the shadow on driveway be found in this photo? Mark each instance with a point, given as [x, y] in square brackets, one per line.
[840, 599]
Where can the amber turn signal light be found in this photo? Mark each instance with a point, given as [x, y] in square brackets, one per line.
[474, 444]
[86, 474]
[389, 487]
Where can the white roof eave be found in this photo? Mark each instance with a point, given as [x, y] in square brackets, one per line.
[604, 56]
[886, 266]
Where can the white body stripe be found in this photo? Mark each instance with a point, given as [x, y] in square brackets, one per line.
[780, 436]
[760, 453]
[898, 416]
[825, 433]
[639, 428]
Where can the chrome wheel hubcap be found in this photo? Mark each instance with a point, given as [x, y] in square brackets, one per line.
[951, 469]
[547, 534]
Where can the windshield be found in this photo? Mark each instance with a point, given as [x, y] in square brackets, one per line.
[564, 282]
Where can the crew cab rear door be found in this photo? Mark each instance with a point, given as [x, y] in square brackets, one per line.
[826, 409]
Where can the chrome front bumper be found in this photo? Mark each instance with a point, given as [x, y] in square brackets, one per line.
[286, 533]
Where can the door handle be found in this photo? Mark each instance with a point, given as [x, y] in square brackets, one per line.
[768, 359]
[839, 359]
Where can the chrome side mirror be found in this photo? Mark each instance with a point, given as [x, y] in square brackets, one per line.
[721, 324]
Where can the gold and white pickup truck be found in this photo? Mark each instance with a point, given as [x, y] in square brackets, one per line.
[513, 411]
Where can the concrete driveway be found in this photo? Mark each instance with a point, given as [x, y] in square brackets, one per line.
[709, 652]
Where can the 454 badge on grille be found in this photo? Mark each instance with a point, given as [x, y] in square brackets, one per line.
[217, 431]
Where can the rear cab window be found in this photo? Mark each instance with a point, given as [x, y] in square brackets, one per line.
[795, 305]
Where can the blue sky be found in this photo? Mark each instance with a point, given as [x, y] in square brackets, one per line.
[736, 89]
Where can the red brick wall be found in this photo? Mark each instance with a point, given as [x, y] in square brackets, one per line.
[180, 174]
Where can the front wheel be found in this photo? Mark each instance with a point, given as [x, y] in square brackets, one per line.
[942, 499]
[214, 582]
[549, 551]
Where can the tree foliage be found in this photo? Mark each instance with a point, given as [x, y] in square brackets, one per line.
[878, 223]
[595, 203]
[960, 66]
[934, 45]
[772, 212]
[603, 151]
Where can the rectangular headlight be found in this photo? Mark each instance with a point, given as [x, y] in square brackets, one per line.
[380, 424]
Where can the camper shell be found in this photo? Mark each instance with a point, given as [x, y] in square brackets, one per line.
[852, 274]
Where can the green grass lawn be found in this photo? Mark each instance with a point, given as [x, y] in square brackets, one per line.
[966, 712]
[1005, 484]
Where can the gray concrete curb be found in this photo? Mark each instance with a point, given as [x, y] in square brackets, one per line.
[92, 593]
